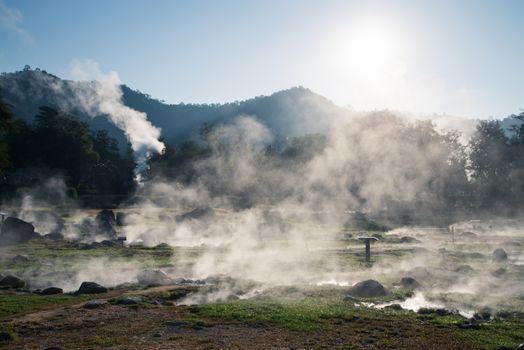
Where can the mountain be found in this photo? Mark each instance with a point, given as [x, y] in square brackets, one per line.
[291, 112]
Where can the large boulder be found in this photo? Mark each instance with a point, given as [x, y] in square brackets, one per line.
[153, 278]
[16, 231]
[368, 289]
[499, 255]
[91, 288]
[468, 234]
[20, 259]
[11, 281]
[5, 336]
[105, 223]
[54, 236]
[196, 214]
[121, 218]
[407, 239]
[52, 291]
[409, 283]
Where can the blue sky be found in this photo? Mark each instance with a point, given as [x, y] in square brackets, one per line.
[463, 58]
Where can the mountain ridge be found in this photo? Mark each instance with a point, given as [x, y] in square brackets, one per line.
[288, 112]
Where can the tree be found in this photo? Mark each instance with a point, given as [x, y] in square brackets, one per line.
[490, 164]
[63, 142]
[516, 173]
[6, 124]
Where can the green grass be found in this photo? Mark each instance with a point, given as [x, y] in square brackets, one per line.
[324, 312]
[12, 304]
[301, 315]
[492, 335]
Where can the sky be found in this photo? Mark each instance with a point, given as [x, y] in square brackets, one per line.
[462, 58]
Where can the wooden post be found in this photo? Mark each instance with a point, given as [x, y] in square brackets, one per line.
[367, 242]
[3, 215]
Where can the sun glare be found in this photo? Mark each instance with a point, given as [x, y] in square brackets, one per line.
[370, 51]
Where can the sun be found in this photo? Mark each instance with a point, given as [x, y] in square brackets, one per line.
[369, 51]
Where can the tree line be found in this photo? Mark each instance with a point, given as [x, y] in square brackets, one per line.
[411, 170]
[484, 175]
[60, 144]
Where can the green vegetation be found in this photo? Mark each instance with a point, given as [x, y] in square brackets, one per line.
[12, 304]
[304, 315]
[60, 144]
[495, 334]
[327, 313]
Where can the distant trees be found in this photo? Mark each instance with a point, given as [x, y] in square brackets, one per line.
[60, 144]
[379, 162]
[6, 121]
[497, 166]
[490, 164]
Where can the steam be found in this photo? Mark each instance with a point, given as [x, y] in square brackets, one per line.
[103, 96]
[275, 221]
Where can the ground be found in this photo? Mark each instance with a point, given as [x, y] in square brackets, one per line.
[297, 316]
[318, 321]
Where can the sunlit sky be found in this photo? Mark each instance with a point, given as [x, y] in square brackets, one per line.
[464, 58]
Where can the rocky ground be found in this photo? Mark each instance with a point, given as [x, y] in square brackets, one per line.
[419, 291]
[149, 319]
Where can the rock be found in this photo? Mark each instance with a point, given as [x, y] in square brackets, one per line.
[91, 288]
[108, 243]
[483, 314]
[54, 236]
[94, 304]
[105, 222]
[498, 272]
[428, 310]
[368, 289]
[182, 280]
[20, 259]
[420, 273]
[179, 293]
[52, 291]
[177, 323]
[407, 239]
[469, 325]
[121, 219]
[464, 269]
[349, 297]
[198, 213]
[11, 281]
[396, 307]
[468, 234]
[409, 283]
[5, 336]
[153, 278]
[163, 246]
[15, 231]
[499, 255]
[1, 276]
[130, 300]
